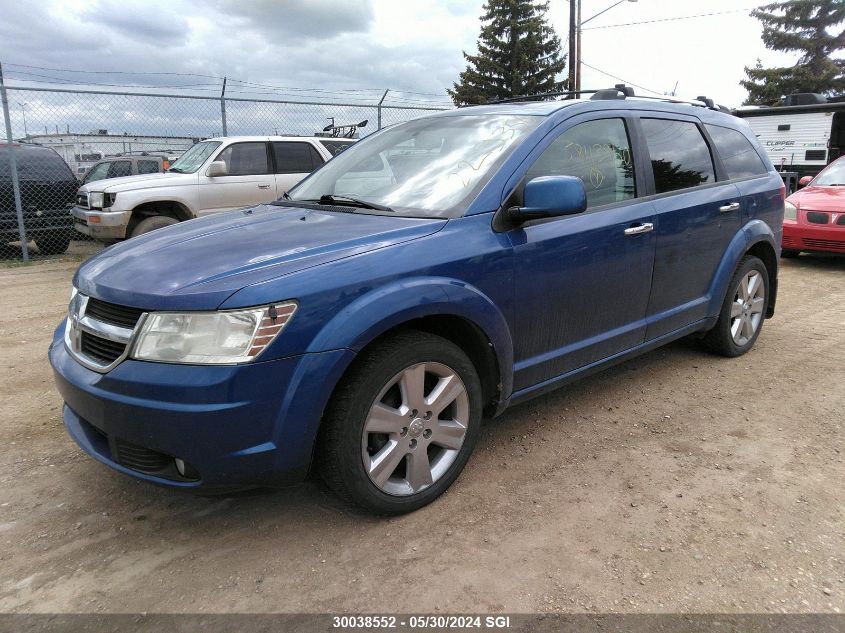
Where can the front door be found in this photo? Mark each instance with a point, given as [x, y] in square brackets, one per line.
[582, 282]
[248, 181]
[697, 217]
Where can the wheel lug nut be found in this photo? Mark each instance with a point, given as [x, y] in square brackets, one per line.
[413, 443]
[427, 433]
[427, 415]
[413, 413]
[404, 431]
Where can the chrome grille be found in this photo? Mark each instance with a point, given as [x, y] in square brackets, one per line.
[82, 200]
[98, 333]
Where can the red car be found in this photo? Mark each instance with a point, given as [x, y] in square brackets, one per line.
[815, 215]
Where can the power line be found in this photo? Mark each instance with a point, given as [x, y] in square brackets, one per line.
[625, 81]
[680, 17]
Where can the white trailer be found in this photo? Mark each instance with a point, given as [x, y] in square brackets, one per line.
[799, 138]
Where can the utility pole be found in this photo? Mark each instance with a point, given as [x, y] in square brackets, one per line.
[578, 49]
[572, 50]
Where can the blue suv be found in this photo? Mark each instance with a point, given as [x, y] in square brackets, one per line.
[431, 275]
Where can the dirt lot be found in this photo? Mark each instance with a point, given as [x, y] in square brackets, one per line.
[675, 482]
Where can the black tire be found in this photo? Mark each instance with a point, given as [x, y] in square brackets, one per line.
[151, 224]
[720, 340]
[789, 254]
[52, 245]
[339, 451]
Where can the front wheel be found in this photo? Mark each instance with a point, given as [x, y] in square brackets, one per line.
[53, 245]
[743, 310]
[151, 224]
[402, 425]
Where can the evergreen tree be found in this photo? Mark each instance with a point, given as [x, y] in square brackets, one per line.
[807, 27]
[518, 54]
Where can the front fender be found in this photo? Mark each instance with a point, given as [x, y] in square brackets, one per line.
[401, 301]
[753, 232]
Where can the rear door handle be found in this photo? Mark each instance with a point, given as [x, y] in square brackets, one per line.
[733, 206]
[645, 227]
[263, 186]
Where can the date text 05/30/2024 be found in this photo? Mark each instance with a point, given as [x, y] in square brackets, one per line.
[421, 622]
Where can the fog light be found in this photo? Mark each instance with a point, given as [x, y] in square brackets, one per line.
[94, 219]
[185, 469]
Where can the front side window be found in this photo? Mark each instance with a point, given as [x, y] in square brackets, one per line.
[97, 172]
[737, 153]
[597, 152]
[120, 168]
[245, 159]
[680, 157]
[148, 167]
[295, 157]
[194, 157]
[430, 167]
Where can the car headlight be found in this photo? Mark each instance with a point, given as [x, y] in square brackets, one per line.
[790, 211]
[211, 338]
[95, 199]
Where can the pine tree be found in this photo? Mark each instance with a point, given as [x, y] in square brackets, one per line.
[803, 26]
[518, 54]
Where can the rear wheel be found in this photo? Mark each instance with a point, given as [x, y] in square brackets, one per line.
[151, 224]
[789, 254]
[743, 310]
[402, 425]
[52, 245]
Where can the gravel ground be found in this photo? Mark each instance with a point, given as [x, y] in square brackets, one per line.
[677, 481]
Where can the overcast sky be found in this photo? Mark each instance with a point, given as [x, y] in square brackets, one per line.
[330, 45]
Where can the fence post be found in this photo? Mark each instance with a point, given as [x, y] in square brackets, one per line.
[223, 107]
[13, 167]
[379, 107]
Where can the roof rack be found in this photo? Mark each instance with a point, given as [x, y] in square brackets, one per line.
[619, 91]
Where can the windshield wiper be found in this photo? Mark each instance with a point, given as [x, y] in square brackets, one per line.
[176, 170]
[352, 202]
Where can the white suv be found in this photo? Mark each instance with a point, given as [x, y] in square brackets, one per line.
[214, 175]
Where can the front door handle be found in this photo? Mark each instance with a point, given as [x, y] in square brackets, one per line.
[733, 206]
[645, 227]
[263, 186]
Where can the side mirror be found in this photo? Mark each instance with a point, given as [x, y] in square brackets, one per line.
[217, 168]
[804, 181]
[549, 197]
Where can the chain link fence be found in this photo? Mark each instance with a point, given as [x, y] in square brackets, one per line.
[53, 137]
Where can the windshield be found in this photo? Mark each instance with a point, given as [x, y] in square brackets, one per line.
[97, 172]
[431, 167]
[833, 174]
[194, 157]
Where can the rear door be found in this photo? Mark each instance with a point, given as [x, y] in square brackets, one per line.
[248, 182]
[293, 161]
[697, 217]
[583, 281]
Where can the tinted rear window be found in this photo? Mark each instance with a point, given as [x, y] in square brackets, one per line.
[35, 164]
[737, 153]
[148, 167]
[295, 157]
[680, 157]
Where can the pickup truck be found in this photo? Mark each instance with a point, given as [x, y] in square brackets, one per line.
[214, 175]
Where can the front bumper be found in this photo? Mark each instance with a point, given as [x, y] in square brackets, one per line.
[102, 225]
[798, 236]
[237, 426]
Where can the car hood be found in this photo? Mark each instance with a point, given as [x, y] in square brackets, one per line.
[141, 181]
[198, 264]
[819, 198]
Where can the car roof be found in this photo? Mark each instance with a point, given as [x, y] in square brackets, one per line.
[229, 139]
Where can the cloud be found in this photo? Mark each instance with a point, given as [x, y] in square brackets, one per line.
[302, 19]
[163, 26]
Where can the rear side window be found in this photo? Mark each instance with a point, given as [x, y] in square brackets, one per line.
[148, 167]
[737, 153]
[336, 146]
[245, 159]
[120, 168]
[679, 154]
[295, 158]
[597, 152]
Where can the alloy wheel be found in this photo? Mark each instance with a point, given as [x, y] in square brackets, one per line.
[415, 428]
[747, 307]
